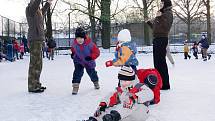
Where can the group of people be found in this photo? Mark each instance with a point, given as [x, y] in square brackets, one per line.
[136, 89]
[12, 49]
[202, 44]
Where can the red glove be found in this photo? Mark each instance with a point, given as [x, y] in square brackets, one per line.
[109, 63]
[102, 107]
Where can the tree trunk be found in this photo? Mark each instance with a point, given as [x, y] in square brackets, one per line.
[188, 30]
[146, 27]
[49, 24]
[105, 20]
[93, 29]
[208, 22]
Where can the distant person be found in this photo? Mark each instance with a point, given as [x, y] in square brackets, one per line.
[36, 36]
[161, 26]
[16, 48]
[84, 54]
[21, 50]
[195, 50]
[51, 46]
[25, 42]
[45, 49]
[186, 50]
[204, 46]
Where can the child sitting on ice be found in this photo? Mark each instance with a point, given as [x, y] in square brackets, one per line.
[129, 102]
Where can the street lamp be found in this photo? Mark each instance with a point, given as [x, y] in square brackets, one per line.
[69, 24]
[69, 27]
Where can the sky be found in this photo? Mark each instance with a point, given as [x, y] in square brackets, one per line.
[15, 9]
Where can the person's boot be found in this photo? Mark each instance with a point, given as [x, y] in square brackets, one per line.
[107, 117]
[115, 115]
[40, 86]
[36, 90]
[75, 88]
[96, 84]
[209, 57]
[92, 119]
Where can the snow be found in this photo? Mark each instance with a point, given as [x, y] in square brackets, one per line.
[191, 97]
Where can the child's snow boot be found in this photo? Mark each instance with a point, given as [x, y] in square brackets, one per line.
[96, 84]
[107, 117]
[115, 115]
[75, 88]
[92, 119]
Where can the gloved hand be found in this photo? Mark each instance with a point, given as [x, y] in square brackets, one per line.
[109, 63]
[130, 100]
[102, 107]
[88, 58]
[72, 55]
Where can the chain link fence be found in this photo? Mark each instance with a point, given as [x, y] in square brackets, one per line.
[10, 28]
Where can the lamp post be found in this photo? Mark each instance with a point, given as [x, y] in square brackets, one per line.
[69, 27]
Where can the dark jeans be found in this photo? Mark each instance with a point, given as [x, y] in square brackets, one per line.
[16, 54]
[79, 71]
[195, 54]
[159, 56]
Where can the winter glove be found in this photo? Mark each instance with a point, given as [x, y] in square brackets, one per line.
[72, 55]
[109, 63]
[130, 101]
[88, 58]
[102, 107]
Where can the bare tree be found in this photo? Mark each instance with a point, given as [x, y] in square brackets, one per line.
[49, 21]
[208, 15]
[188, 11]
[89, 10]
[98, 12]
[145, 8]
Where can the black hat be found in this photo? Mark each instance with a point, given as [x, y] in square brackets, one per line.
[167, 4]
[80, 33]
[151, 81]
[126, 73]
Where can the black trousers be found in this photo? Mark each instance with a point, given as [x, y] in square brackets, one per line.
[159, 57]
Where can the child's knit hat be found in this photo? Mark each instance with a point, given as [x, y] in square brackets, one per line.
[126, 73]
[80, 33]
[124, 36]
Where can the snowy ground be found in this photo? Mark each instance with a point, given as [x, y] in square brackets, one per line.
[191, 97]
